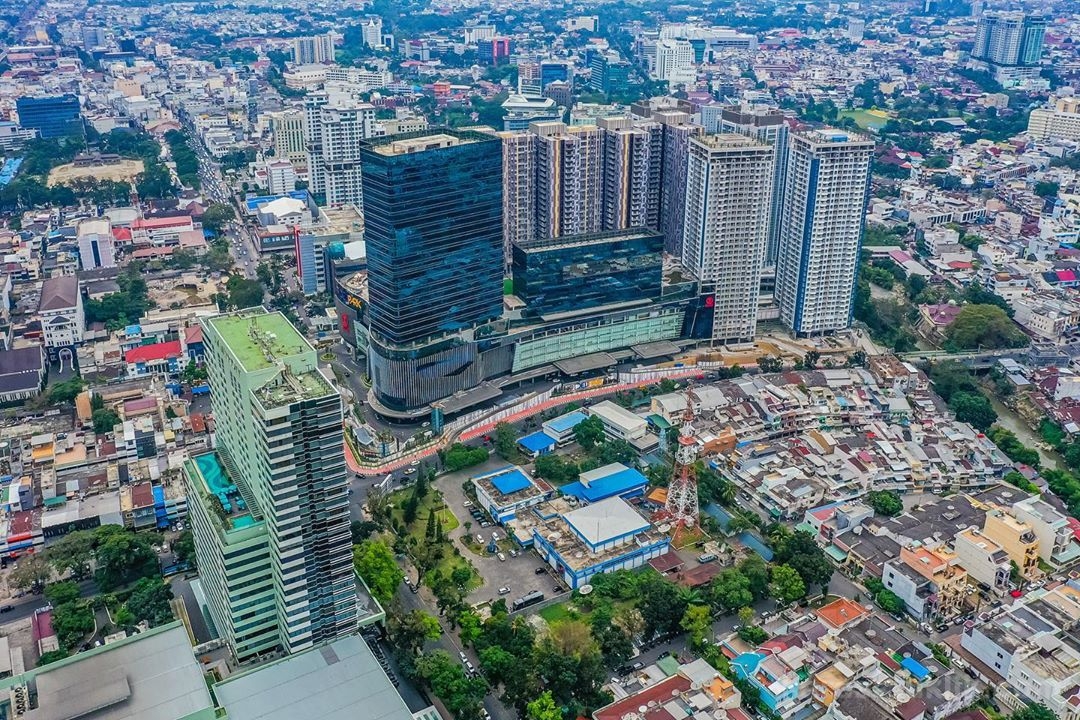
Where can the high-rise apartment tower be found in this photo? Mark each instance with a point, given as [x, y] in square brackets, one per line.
[824, 202]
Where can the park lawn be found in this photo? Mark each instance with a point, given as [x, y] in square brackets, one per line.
[864, 119]
[571, 610]
[432, 502]
[555, 613]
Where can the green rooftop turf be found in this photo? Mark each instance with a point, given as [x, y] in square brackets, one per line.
[273, 334]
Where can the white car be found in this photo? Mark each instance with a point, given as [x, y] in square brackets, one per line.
[467, 503]
[504, 590]
[462, 656]
[410, 470]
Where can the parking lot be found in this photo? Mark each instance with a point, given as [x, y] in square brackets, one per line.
[517, 573]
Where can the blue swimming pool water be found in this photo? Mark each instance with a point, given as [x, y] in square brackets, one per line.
[213, 472]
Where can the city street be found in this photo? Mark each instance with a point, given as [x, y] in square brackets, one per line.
[449, 642]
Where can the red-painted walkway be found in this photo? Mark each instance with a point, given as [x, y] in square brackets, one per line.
[487, 426]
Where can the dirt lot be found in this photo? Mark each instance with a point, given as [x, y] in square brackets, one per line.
[190, 290]
[123, 170]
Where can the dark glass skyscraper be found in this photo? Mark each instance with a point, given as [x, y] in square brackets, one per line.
[581, 272]
[53, 116]
[433, 219]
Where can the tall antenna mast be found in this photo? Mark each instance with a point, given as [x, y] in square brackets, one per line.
[682, 497]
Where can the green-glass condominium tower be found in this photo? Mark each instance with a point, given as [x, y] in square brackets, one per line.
[269, 506]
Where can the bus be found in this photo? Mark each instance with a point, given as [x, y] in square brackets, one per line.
[526, 600]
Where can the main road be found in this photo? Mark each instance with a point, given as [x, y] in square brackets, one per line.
[242, 241]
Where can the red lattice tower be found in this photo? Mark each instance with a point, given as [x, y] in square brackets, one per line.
[682, 497]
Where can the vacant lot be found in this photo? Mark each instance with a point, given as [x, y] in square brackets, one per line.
[120, 171]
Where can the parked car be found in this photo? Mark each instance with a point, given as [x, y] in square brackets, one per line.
[467, 503]
[502, 558]
[540, 570]
[504, 590]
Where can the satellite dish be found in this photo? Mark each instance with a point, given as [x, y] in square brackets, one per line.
[664, 528]
[585, 589]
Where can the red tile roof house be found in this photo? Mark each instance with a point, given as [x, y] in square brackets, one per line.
[164, 358]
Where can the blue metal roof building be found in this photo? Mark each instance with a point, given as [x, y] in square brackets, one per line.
[511, 481]
[505, 492]
[916, 668]
[537, 443]
[608, 481]
[564, 425]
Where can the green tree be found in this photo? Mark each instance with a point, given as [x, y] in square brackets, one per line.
[150, 601]
[543, 708]
[505, 441]
[1033, 712]
[184, 547]
[770, 364]
[973, 408]
[51, 656]
[244, 293]
[950, 377]
[72, 622]
[730, 590]
[1016, 451]
[746, 615]
[410, 630]
[556, 469]
[72, 553]
[59, 593]
[753, 634]
[374, 561]
[801, 552]
[105, 420]
[696, 622]
[885, 502]
[361, 530]
[786, 585]
[31, 574]
[661, 606]
[985, 327]
[589, 432]
[462, 695]
[67, 391]
[122, 556]
[459, 457]
[889, 601]
[1046, 189]
[756, 571]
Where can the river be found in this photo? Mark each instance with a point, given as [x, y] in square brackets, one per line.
[1011, 421]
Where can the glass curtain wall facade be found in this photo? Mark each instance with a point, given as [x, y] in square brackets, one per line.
[433, 227]
[580, 272]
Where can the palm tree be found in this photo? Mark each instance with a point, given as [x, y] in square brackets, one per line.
[691, 596]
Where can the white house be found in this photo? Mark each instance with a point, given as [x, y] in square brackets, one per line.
[61, 312]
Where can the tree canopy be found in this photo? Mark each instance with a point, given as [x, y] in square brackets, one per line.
[885, 502]
[983, 327]
[374, 561]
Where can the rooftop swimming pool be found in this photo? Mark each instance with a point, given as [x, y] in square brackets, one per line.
[237, 515]
[212, 472]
